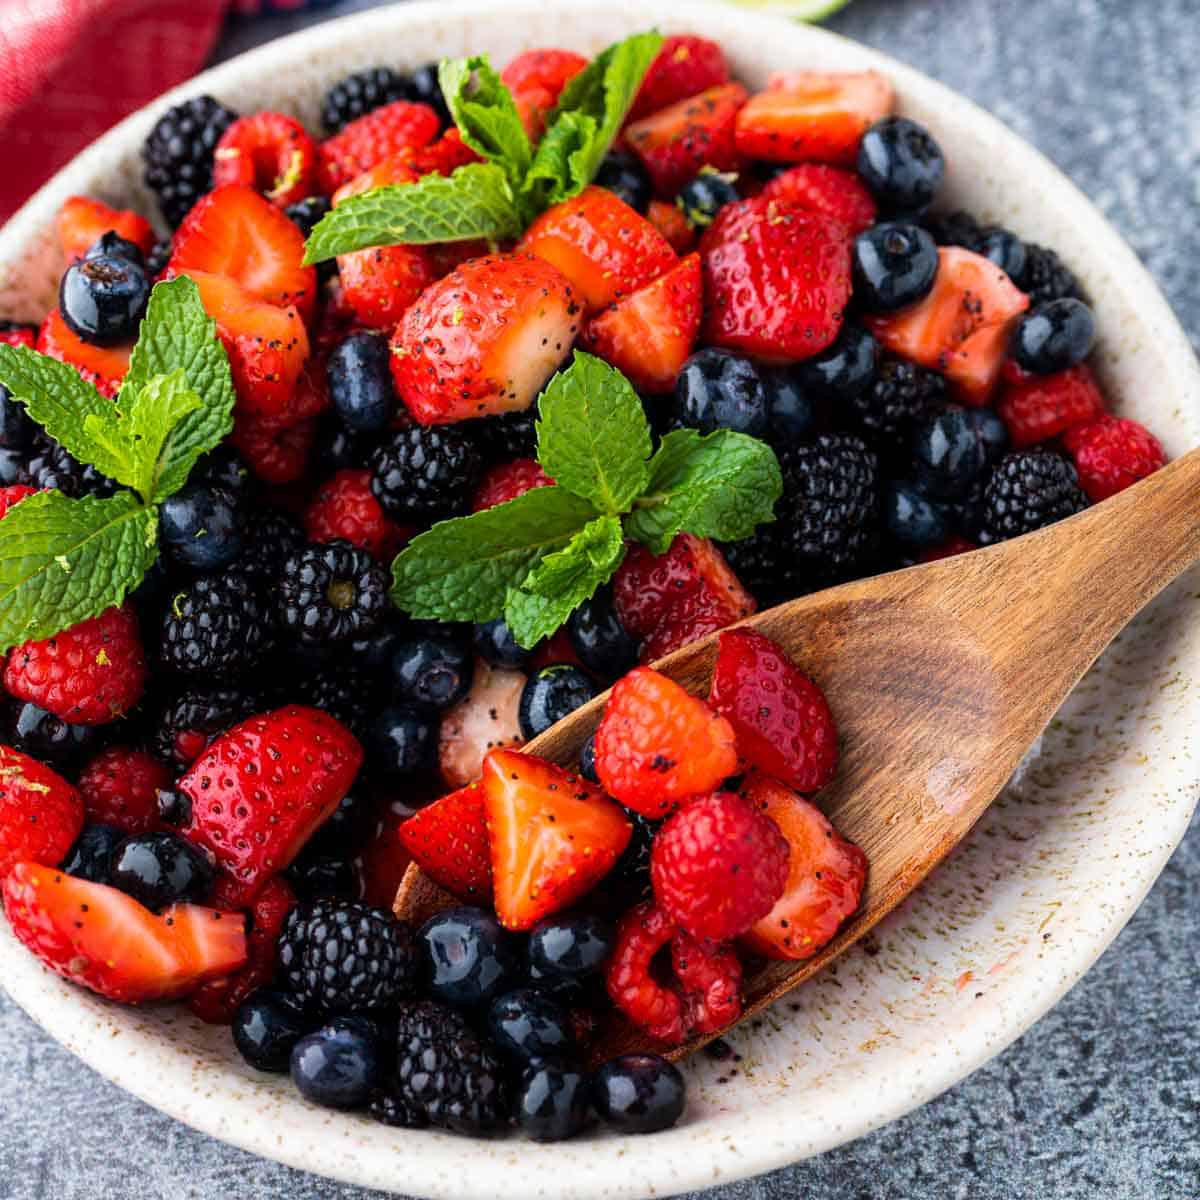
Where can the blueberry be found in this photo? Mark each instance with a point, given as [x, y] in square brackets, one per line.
[949, 454]
[469, 958]
[1005, 249]
[373, 652]
[639, 1093]
[845, 369]
[603, 644]
[901, 164]
[200, 527]
[717, 389]
[431, 670]
[338, 1066]
[1055, 336]
[12, 462]
[360, 382]
[552, 1102]
[911, 518]
[527, 1024]
[42, 735]
[895, 265]
[495, 644]
[623, 175]
[424, 88]
[174, 808]
[587, 760]
[566, 949]
[266, 1027]
[92, 854]
[551, 694]
[113, 245]
[158, 869]
[790, 412]
[223, 468]
[403, 739]
[703, 197]
[314, 877]
[102, 299]
[991, 432]
[339, 448]
[348, 827]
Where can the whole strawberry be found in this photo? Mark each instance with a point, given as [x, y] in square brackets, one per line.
[120, 787]
[90, 674]
[41, 814]
[1111, 454]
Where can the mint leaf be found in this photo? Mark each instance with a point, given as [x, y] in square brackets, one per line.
[719, 486]
[593, 438]
[154, 420]
[475, 202]
[486, 114]
[177, 334]
[461, 570]
[62, 561]
[563, 580]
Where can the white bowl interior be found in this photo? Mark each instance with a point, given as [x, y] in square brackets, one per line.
[1002, 929]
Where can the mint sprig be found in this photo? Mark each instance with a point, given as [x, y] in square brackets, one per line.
[64, 560]
[535, 559]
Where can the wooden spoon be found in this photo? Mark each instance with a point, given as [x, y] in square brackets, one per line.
[940, 677]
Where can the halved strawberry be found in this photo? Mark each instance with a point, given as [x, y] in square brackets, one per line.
[102, 366]
[94, 935]
[648, 336]
[269, 152]
[380, 283]
[675, 142]
[669, 220]
[371, 138]
[604, 247]
[486, 718]
[235, 232]
[534, 106]
[685, 66]
[448, 840]
[82, 221]
[962, 328]
[826, 875]
[813, 116]
[483, 339]
[553, 836]
[818, 187]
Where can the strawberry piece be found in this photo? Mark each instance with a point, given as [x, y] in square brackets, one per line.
[484, 339]
[685, 66]
[948, 549]
[649, 335]
[825, 875]
[392, 171]
[379, 284]
[553, 836]
[1111, 454]
[813, 116]
[486, 718]
[710, 978]
[817, 187]
[962, 328]
[236, 233]
[507, 481]
[1044, 406]
[718, 866]
[268, 152]
[13, 333]
[384, 859]
[656, 745]
[41, 814]
[82, 221]
[12, 495]
[781, 718]
[90, 674]
[260, 790]
[120, 787]
[777, 281]
[448, 840]
[668, 600]
[96, 936]
[669, 220]
[345, 507]
[534, 106]
[275, 452]
[102, 366]
[267, 345]
[605, 248]
[549, 69]
[631, 983]
[369, 139]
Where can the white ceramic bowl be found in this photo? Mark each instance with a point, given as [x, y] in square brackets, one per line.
[990, 942]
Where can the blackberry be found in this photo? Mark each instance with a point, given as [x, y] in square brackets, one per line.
[307, 212]
[445, 1074]
[425, 471]
[1046, 277]
[954, 229]
[507, 436]
[424, 87]
[359, 94]
[756, 561]
[331, 592]
[178, 154]
[193, 718]
[395, 1110]
[901, 395]
[53, 468]
[157, 259]
[344, 695]
[345, 956]
[268, 539]
[217, 627]
[1028, 490]
[628, 882]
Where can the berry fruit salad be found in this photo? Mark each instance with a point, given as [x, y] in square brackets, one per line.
[379, 449]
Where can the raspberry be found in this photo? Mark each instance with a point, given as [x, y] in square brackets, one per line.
[120, 787]
[1111, 454]
[507, 481]
[372, 138]
[1041, 407]
[332, 593]
[1028, 490]
[275, 452]
[657, 745]
[345, 507]
[718, 866]
[179, 153]
[710, 978]
[89, 674]
[12, 495]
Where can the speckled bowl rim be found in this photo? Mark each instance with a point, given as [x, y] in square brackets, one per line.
[130, 1047]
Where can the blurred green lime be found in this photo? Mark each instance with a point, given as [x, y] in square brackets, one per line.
[801, 10]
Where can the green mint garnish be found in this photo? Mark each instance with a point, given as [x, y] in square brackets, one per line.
[486, 115]
[64, 560]
[535, 559]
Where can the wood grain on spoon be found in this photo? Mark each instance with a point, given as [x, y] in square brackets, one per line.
[940, 677]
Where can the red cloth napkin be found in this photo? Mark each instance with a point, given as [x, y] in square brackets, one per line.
[69, 69]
